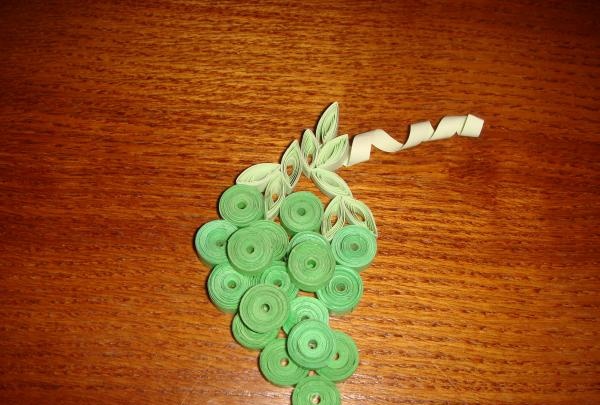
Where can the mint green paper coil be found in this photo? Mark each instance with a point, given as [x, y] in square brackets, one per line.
[276, 274]
[301, 211]
[248, 338]
[241, 205]
[211, 241]
[344, 361]
[226, 287]
[316, 390]
[278, 236]
[311, 344]
[354, 246]
[249, 251]
[264, 308]
[311, 265]
[303, 308]
[307, 236]
[277, 366]
[343, 292]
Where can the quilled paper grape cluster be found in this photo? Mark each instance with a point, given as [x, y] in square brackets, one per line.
[272, 243]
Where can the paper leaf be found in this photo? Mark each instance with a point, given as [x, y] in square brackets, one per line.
[333, 218]
[330, 183]
[309, 146]
[357, 213]
[258, 175]
[291, 164]
[327, 126]
[333, 154]
[275, 193]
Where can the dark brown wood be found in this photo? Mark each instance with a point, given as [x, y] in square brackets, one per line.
[122, 122]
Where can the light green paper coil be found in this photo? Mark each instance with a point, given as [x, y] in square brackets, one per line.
[249, 251]
[303, 308]
[241, 205]
[307, 235]
[277, 366]
[276, 274]
[316, 390]
[301, 211]
[211, 241]
[226, 287]
[311, 344]
[343, 292]
[248, 338]
[311, 265]
[354, 246]
[264, 308]
[276, 234]
[344, 361]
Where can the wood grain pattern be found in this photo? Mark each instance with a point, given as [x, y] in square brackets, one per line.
[122, 122]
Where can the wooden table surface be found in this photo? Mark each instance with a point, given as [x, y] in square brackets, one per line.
[122, 122]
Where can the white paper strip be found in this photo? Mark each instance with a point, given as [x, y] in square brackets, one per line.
[464, 125]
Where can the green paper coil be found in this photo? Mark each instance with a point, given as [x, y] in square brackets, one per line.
[343, 292]
[241, 205]
[276, 234]
[264, 308]
[316, 390]
[248, 338]
[307, 236]
[303, 308]
[249, 251]
[344, 361]
[311, 265]
[211, 241]
[301, 211]
[276, 274]
[226, 287]
[277, 366]
[354, 246]
[311, 344]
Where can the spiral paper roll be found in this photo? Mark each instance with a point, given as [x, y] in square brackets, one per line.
[301, 211]
[277, 366]
[311, 265]
[344, 361]
[241, 205]
[211, 241]
[307, 236]
[276, 234]
[226, 287]
[316, 390]
[303, 308]
[343, 292]
[264, 308]
[248, 338]
[276, 274]
[249, 251]
[311, 344]
[354, 246]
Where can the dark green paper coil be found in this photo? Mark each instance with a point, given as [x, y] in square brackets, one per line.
[241, 205]
[343, 292]
[354, 246]
[264, 308]
[311, 265]
[249, 251]
[301, 211]
[226, 287]
[211, 241]
[311, 344]
[277, 366]
[316, 390]
[276, 234]
[303, 308]
[276, 274]
[344, 361]
[248, 338]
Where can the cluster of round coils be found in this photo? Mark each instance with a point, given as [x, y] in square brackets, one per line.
[283, 281]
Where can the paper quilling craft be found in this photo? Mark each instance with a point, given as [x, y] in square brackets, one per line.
[272, 243]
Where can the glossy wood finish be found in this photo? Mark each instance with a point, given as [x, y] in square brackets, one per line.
[122, 122]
